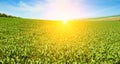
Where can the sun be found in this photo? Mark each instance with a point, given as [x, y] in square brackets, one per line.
[64, 21]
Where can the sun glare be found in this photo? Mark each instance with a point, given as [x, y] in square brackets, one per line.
[64, 21]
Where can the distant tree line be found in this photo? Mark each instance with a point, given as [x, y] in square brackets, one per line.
[5, 15]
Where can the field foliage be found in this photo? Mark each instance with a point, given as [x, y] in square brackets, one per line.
[25, 41]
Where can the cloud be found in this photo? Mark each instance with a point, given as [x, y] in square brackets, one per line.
[55, 9]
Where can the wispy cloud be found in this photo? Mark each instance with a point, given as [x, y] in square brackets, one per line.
[55, 9]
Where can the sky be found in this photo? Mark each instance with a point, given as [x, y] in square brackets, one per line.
[60, 9]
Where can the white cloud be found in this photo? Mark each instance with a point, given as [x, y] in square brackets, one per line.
[55, 9]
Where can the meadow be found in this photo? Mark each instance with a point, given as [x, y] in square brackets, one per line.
[27, 41]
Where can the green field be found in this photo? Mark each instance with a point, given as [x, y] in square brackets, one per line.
[26, 41]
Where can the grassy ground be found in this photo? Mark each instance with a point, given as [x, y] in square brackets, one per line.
[45, 42]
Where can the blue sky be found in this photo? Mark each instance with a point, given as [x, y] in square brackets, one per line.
[60, 9]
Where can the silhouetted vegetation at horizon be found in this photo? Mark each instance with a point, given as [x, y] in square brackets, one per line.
[6, 15]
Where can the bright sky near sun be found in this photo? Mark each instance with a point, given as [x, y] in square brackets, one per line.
[60, 9]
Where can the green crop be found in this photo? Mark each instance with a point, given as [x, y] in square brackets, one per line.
[25, 41]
